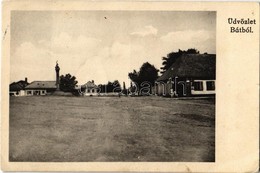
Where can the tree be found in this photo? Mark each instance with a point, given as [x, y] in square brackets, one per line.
[146, 76]
[117, 87]
[172, 57]
[67, 83]
[110, 87]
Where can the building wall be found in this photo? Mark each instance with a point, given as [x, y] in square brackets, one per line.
[185, 88]
[163, 89]
[17, 93]
[91, 91]
[14, 93]
[35, 92]
[204, 90]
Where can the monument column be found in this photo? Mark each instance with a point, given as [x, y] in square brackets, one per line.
[57, 69]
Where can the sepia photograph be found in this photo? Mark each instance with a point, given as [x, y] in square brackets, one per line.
[129, 86]
[112, 86]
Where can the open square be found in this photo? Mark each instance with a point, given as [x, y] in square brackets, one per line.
[81, 129]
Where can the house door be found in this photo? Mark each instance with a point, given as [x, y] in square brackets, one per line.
[182, 89]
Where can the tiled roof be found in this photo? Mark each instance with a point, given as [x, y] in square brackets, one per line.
[42, 85]
[90, 84]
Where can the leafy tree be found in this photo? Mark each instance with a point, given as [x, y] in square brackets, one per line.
[110, 87]
[171, 58]
[67, 83]
[116, 86]
[146, 76]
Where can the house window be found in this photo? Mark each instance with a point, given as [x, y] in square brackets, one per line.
[211, 85]
[29, 92]
[198, 86]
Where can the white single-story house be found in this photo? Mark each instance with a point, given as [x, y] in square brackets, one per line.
[40, 88]
[190, 75]
[90, 89]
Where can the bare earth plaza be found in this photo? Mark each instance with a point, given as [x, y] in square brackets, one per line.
[112, 87]
[111, 129]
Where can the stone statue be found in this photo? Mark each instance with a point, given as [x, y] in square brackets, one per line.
[57, 69]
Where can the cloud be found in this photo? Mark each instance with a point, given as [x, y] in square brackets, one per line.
[65, 42]
[147, 30]
[111, 63]
[32, 62]
[188, 35]
[74, 50]
[37, 61]
[89, 58]
[86, 58]
[202, 40]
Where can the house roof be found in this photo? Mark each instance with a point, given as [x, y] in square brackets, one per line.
[17, 86]
[193, 66]
[90, 84]
[42, 85]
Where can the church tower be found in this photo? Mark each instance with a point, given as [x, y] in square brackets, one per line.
[57, 69]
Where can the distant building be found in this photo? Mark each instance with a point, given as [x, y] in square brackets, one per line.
[17, 88]
[40, 88]
[23, 88]
[90, 88]
[190, 75]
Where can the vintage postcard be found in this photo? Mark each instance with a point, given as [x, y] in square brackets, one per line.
[130, 86]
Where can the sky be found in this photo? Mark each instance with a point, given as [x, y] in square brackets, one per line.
[102, 45]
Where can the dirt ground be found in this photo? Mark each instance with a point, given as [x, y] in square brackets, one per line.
[82, 129]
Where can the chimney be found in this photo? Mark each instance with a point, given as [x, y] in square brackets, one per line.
[26, 80]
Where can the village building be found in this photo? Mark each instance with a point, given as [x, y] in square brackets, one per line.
[190, 75]
[90, 88]
[17, 88]
[40, 88]
[36, 87]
